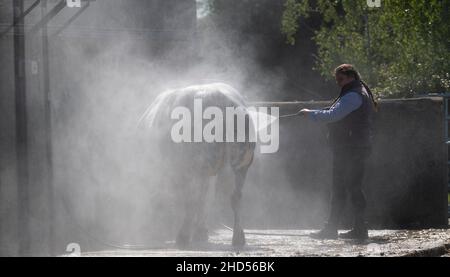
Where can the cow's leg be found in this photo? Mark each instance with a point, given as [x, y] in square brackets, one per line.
[200, 231]
[236, 197]
[185, 233]
[241, 159]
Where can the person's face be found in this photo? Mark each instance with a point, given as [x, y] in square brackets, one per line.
[342, 79]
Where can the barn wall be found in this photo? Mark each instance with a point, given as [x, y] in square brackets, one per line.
[25, 205]
[8, 187]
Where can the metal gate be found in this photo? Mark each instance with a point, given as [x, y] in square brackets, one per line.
[446, 97]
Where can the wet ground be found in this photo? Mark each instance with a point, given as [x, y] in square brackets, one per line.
[432, 242]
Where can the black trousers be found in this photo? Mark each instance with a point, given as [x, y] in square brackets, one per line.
[349, 165]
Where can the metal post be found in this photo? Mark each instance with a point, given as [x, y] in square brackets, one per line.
[48, 130]
[21, 128]
[446, 98]
[447, 139]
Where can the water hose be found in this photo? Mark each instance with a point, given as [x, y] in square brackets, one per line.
[267, 234]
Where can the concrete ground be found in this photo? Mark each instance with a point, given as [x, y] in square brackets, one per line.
[392, 243]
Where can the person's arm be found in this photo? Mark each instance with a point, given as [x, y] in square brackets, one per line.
[347, 104]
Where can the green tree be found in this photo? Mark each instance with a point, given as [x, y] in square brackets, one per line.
[401, 48]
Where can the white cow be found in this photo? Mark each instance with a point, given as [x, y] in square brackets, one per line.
[192, 163]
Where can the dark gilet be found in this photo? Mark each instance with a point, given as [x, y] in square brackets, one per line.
[355, 130]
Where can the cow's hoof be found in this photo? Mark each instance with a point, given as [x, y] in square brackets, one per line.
[238, 238]
[200, 235]
[183, 240]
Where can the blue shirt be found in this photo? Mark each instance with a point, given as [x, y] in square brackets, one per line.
[347, 104]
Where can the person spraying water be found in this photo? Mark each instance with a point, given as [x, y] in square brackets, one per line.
[350, 131]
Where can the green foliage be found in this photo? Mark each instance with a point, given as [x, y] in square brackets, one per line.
[289, 21]
[401, 48]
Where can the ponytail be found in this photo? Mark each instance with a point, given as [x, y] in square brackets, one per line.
[375, 103]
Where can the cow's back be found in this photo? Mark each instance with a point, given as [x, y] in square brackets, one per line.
[195, 157]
